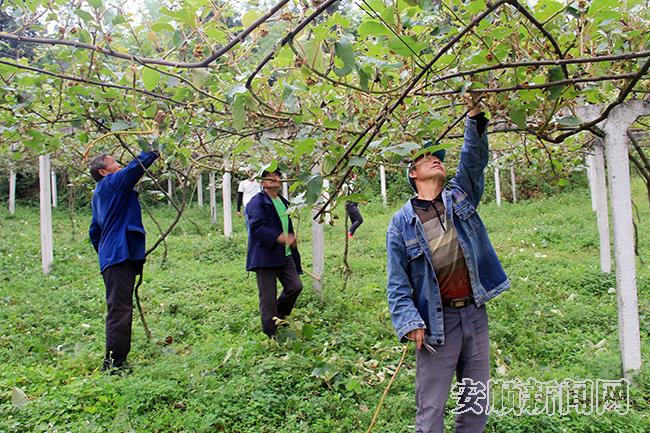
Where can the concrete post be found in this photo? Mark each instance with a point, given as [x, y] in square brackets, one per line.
[497, 179]
[54, 189]
[382, 177]
[599, 194]
[47, 251]
[618, 168]
[226, 197]
[199, 189]
[213, 200]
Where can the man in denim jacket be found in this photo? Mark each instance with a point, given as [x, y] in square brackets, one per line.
[442, 269]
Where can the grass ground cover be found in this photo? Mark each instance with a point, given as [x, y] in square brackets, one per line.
[209, 368]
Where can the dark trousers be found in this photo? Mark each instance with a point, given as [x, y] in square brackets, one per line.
[352, 210]
[270, 305]
[119, 281]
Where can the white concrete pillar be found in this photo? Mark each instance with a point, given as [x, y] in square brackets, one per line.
[318, 252]
[318, 244]
[497, 179]
[599, 195]
[618, 169]
[47, 251]
[285, 189]
[326, 196]
[226, 196]
[213, 200]
[54, 189]
[513, 184]
[199, 189]
[589, 162]
[12, 191]
[170, 190]
[382, 179]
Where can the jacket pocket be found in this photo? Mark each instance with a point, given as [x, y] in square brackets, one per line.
[132, 228]
[416, 264]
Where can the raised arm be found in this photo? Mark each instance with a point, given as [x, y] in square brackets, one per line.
[474, 155]
[127, 177]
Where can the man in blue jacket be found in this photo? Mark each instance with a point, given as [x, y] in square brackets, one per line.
[118, 236]
[273, 252]
[442, 269]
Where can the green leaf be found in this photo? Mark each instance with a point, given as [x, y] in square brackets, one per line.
[518, 117]
[37, 138]
[345, 52]
[150, 77]
[95, 3]
[569, 121]
[86, 16]
[372, 28]
[547, 8]
[364, 78]
[119, 126]
[119, 19]
[357, 161]
[200, 77]
[8, 69]
[314, 187]
[239, 111]
[401, 46]
[476, 6]
[555, 74]
[159, 27]
[303, 147]
[216, 35]
[308, 331]
[250, 17]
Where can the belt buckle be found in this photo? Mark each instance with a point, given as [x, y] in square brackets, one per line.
[458, 303]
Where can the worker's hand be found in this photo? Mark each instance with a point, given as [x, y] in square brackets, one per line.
[288, 239]
[416, 335]
[158, 119]
[291, 240]
[473, 101]
[239, 214]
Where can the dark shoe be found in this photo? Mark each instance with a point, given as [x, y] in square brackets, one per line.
[121, 369]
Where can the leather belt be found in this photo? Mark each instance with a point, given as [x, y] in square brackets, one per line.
[458, 302]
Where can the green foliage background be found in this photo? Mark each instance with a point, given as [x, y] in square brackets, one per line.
[328, 370]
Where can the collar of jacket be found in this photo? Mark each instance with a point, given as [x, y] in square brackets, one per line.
[268, 200]
[446, 199]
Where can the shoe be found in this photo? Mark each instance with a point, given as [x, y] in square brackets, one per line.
[121, 369]
[350, 235]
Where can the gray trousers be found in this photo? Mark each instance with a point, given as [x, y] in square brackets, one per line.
[466, 352]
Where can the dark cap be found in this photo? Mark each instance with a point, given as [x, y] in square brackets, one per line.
[440, 153]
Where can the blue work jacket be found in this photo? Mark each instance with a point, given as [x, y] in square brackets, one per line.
[412, 289]
[116, 229]
[264, 251]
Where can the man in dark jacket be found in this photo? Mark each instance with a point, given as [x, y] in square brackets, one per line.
[118, 236]
[272, 252]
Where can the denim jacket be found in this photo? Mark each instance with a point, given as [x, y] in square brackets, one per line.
[413, 292]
